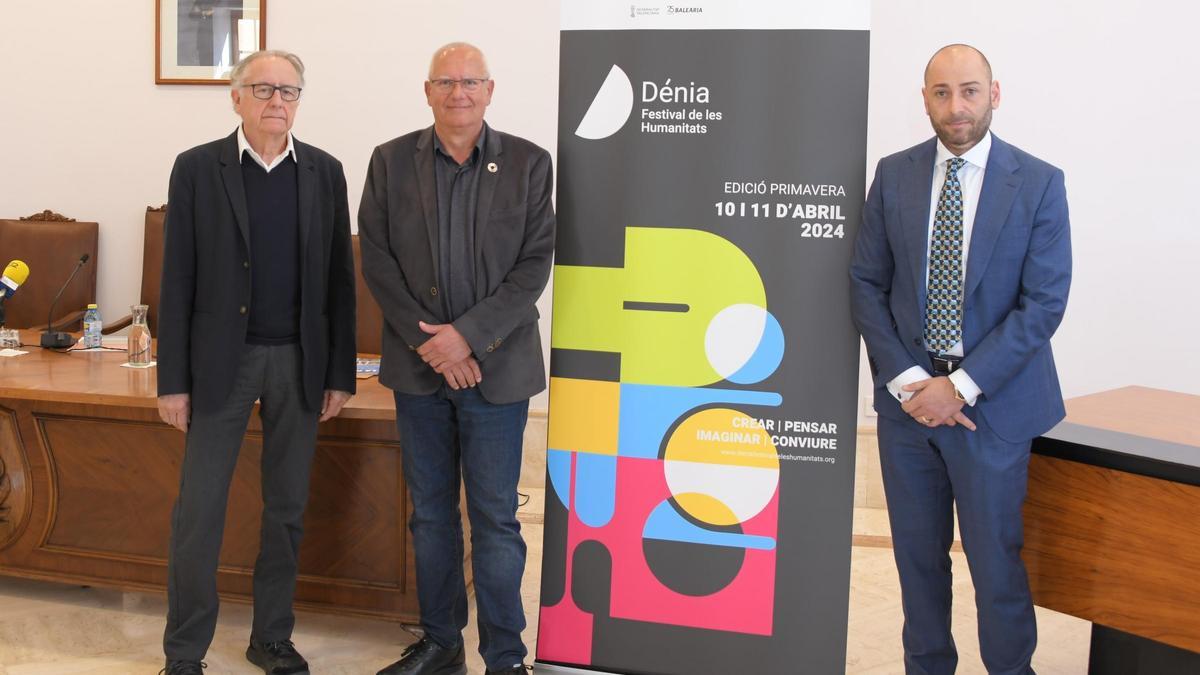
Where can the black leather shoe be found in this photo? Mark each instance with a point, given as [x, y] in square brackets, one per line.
[426, 657]
[184, 668]
[519, 669]
[277, 658]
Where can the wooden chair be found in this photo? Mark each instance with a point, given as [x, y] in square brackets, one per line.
[369, 324]
[152, 257]
[51, 244]
[369, 318]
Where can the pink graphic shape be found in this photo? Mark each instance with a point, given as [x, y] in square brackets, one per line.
[564, 630]
[746, 605]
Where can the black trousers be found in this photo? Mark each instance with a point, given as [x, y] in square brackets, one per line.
[272, 374]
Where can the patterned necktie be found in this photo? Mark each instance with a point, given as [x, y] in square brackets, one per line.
[943, 304]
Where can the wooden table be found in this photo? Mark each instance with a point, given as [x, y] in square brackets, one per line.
[1112, 526]
[91, 475]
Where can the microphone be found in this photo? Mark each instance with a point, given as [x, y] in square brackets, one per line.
[14, 275]
[53, 339]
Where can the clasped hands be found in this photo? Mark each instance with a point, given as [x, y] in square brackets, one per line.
[933, 404]
[448, 353]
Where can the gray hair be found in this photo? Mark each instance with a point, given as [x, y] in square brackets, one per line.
[239, 71]
[459, 45]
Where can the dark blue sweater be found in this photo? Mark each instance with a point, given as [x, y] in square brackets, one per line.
[271, 199]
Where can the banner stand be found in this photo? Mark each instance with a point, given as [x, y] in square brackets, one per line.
[704, 367]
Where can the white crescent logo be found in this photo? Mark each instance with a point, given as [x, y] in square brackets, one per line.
[610, 109]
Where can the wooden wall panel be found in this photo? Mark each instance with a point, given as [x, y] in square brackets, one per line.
[99, 480]
[355, 514]
[15, 496]
[112, 483]
[1115, 548]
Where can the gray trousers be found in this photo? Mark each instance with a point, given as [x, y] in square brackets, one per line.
[273, 375]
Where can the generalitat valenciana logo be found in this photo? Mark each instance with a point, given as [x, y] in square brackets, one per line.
[610, 109]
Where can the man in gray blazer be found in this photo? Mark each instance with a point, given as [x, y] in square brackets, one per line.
[457, 233]
[257, 304]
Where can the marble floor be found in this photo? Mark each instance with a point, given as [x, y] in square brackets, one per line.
[58, 629]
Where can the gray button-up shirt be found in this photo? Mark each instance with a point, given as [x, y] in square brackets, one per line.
[457, 194]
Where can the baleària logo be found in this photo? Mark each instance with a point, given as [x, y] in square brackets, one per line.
[610, 109]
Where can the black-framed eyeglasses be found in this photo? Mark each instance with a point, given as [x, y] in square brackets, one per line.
[264, 92]
[469, 84]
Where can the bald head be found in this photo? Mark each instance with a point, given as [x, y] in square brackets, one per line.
[958, 52]
[459, 90]
[960, 96]
[459, 51]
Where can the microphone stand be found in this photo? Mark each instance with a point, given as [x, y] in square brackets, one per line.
[53, 339]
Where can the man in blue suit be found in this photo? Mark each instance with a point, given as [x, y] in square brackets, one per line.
[959, 278]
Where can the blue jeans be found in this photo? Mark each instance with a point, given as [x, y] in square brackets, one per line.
[444, 436]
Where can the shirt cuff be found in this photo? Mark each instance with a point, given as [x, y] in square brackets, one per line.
[914, 374]
[966, 386]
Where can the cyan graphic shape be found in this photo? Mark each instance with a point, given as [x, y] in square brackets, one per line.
[595, 488]
[766, 358]
[666, 524]
[558, 466]
[648, 411]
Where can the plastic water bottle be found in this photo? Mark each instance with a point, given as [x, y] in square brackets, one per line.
[91, 327]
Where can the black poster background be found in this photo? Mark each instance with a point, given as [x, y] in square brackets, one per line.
[794, 111]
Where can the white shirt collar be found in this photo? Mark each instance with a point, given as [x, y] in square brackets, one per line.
[244, 147]
[977, 156]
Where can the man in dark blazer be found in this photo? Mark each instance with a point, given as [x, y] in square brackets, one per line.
[257, 303]
[959, 278]
[457, 233]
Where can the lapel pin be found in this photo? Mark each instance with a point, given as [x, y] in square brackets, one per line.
[492, 167]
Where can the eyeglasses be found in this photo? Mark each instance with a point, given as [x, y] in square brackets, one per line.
[264, 92]
[469, 84]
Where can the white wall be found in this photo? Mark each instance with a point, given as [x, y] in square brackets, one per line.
[1102, 89]
[85, 131]
[1106, 91]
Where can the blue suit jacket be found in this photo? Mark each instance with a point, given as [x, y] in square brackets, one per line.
[1015, 292]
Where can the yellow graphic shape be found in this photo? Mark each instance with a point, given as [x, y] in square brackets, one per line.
[706, 508]
[722, 436]
[585, 415]
[680, 279]
[721, 466]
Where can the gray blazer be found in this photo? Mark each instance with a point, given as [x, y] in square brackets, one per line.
[514, 246]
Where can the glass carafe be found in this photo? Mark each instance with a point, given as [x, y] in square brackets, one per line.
[139, 337]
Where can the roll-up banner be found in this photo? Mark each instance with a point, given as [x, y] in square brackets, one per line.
[704, 368]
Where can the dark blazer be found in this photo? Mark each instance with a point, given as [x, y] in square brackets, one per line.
[206, 275]
[1015, 291]
[514, 246]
